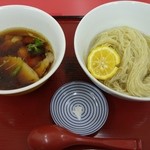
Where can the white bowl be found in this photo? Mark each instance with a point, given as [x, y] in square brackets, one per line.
[42, 22]
[121, 13]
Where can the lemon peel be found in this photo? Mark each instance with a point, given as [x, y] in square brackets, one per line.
[102, 62]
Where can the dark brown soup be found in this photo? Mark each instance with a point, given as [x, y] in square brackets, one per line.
[25, 57]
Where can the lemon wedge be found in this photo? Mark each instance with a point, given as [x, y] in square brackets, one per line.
[102, 62]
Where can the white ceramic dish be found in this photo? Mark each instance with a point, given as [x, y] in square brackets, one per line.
[33, 18]
[119, 13]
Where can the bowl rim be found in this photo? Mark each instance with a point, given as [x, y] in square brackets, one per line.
[95, 81]
[54, 68]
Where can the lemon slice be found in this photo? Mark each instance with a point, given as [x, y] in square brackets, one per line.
[102, 62]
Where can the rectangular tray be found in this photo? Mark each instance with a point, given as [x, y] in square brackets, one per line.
[20, 114]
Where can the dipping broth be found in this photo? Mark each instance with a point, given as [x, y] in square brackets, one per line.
[25, 57]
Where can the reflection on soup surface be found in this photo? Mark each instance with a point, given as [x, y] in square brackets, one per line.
[25, 57]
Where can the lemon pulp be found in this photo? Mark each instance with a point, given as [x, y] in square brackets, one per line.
[102, 62]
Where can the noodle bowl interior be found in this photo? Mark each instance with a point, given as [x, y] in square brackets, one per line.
[25, 57]
[133, 47]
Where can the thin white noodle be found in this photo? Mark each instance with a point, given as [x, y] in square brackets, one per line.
[133, 76]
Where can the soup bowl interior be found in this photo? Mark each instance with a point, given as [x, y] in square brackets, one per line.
[13, 16]
[104, 17]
